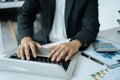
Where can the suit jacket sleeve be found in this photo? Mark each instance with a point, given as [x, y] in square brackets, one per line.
[26, 18]
[90, 24]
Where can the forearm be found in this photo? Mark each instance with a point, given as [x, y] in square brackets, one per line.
[90, 23]
[26, 18]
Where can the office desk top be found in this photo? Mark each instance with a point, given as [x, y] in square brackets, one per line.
[82, 67]
[15, 4]
[83, 71]
[83, 63]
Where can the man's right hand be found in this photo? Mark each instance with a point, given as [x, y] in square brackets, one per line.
[27, 45]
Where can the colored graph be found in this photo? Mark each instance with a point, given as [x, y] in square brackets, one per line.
[99, 75]
[111, 55]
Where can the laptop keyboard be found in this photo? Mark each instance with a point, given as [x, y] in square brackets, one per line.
[62, 63]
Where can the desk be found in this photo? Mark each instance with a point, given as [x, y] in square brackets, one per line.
[84, 68]
[7, 5]
[79, 71]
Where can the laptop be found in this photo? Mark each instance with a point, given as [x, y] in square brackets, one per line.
[41, 66]
[112, 34]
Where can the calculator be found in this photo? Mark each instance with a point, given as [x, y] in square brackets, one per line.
[104, 47]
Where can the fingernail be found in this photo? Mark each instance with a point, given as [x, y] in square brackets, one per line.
[58, 60]
[52, 59]
[28, 58]
[34, 56]
[22, 58]
[66, 59]
[18, 56]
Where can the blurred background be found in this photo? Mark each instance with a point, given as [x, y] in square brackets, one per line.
[108, 17]
[108, 13]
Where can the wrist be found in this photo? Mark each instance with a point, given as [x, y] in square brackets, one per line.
[26, 39]
[77, 43]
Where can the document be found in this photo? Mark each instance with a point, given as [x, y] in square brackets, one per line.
[112, 60]
[87, 69]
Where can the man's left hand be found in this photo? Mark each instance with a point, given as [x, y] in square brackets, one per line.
[64, 50]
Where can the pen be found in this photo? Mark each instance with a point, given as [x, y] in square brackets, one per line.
[118, 20]
[118, 31]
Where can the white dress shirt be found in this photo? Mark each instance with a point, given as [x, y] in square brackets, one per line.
[58, 32]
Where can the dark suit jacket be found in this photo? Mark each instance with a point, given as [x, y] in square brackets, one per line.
[81, 19]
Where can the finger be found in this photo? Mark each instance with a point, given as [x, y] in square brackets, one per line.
[53, 51]
[27, 54]
[38, 45]
[33, 49]
[69, 56]
[18, 53]
[57, 53]
[21, 53]
[52, 47]
[63, 54]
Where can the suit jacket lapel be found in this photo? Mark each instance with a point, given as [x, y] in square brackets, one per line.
[68, 7]
[51, 12]
[51, 7]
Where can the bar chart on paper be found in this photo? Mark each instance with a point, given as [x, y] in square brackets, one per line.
[95, 71]
[106, 74]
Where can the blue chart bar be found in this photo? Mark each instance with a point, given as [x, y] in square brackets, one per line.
[111, 55]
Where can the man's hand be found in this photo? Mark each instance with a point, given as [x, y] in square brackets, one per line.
[27, 45]
[65, 50]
